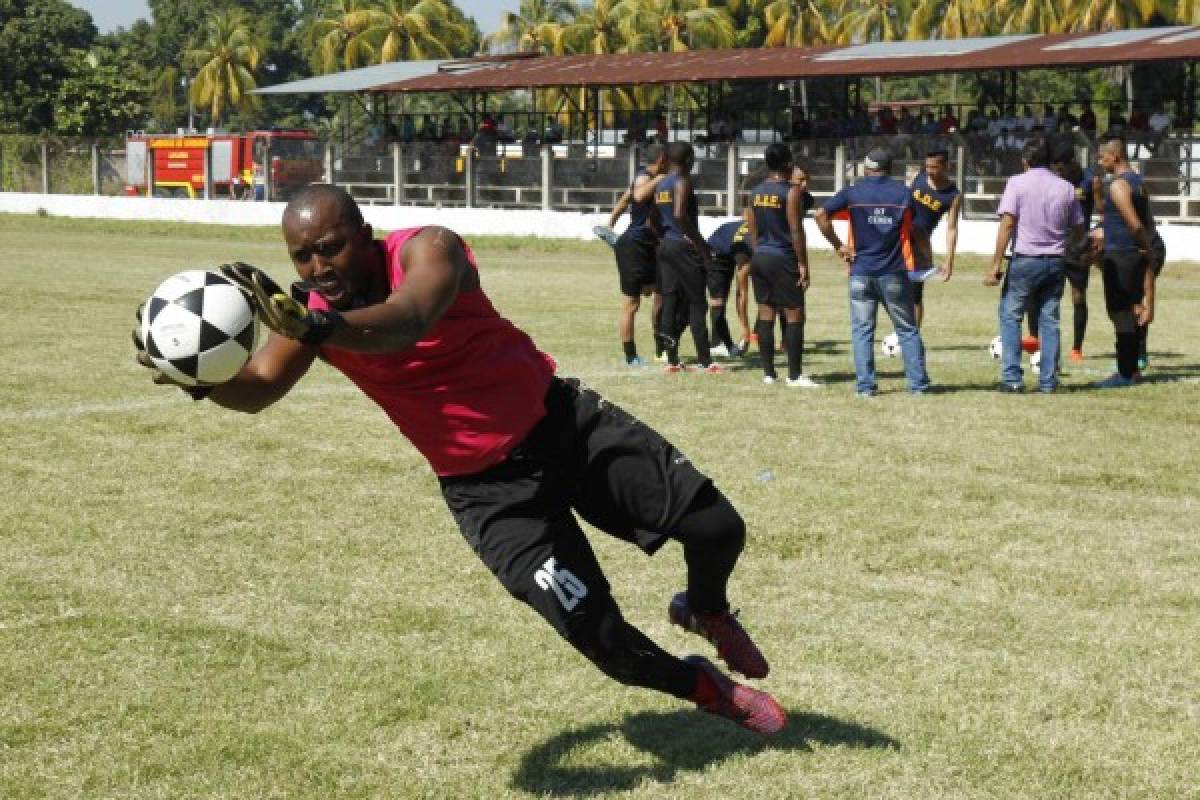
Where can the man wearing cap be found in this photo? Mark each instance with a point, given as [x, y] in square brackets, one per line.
[878, 254]
[1040, 207]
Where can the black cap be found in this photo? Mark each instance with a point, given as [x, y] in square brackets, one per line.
[878, 159]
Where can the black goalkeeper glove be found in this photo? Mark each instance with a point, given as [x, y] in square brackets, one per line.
[278, 310]
[198, 392]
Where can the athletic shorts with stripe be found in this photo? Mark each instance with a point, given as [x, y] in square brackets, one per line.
[1124, 279]
[774, 277]
[585, 456]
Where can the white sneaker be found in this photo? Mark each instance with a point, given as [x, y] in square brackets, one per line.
[803, 382]
[768, 380]
[720, 351]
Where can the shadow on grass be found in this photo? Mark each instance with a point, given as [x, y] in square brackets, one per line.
[679, 741]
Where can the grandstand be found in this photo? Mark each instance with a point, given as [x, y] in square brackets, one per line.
[578, 153]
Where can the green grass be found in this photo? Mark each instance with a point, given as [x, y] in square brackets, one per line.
[962, 595]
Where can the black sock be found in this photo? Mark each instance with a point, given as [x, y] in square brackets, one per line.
[720, 327]
[1127, 354]
[1080, 319]
[1143, 339]
[630, 351]
[765, 328]
[698, 321]
[656, 325]
[793, 343]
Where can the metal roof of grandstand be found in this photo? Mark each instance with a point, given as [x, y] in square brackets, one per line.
[368, 78]
[1078, 50]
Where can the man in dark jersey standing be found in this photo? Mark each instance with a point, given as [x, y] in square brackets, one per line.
[730, 253]
[1127, 265]
[635, 248]
[516, 449]
[934, 196]
[779, 268]
[1077, 261]
[682, 257]
[878, 253]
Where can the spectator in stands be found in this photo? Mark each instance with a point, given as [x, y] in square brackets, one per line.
[929, 125]
[994, 125]
[887, 121]
[948, 123]
[1159, 124]
[554, 131]
[1087, 120]
[1139, 121]
[1066, 120]
[1116, 120]
[1027, 119]
[801, 127]
[408, 129]
[908, 123]
[1049, 119]
[660, 128]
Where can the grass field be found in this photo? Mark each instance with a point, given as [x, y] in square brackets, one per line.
[962, 595]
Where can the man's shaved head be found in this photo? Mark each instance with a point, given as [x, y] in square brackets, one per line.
[308, 198]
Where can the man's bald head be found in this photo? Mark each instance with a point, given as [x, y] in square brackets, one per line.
[324, 195]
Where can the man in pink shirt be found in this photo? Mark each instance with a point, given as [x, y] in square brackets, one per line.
[516, 449]
[1039, 210]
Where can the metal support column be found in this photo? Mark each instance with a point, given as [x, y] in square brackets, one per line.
[731, 180]
[469, 175]
[634, 157]
[839, 168]
[398, 176]
[329, 162]
[547, 153]
[95, 168]
[207, 168]
[45, 148]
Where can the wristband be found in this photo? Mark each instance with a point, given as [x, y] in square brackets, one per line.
[321, 327]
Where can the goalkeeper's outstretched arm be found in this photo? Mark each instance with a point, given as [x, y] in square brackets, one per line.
[267, 377]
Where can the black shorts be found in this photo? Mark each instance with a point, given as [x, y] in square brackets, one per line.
[682, 270]
[719, 276]
[636, 264]
[585, 455]
[1124, 279]
[1077, 274]
[775, 277]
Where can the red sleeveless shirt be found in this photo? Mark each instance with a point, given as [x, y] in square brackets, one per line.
[468, 392]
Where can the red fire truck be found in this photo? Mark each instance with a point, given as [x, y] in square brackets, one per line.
[259, 165]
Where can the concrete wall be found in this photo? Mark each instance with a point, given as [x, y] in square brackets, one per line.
[975, 236]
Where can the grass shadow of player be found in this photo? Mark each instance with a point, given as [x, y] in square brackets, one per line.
[677, 741]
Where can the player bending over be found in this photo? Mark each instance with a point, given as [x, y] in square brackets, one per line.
[516, 449]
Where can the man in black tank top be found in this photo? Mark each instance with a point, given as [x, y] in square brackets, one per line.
[637, 268]
[1129, 277]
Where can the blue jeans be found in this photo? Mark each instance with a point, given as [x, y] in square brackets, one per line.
[894, 290]
[1036, 284]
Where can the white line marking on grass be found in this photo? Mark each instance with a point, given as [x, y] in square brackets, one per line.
[132, 406]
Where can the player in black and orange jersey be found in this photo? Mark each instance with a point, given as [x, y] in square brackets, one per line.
[779, 267]
[934, 196]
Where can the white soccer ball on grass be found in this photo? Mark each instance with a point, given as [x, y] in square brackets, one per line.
[996, 348]
[890, 346]
[199, 328]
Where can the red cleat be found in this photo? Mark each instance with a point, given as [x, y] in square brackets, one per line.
[1076, 356]
[733, 644]
[720, 695]
[1030, 344]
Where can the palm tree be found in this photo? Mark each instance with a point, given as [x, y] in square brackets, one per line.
[949, 19]
[794, 23]
[539, 26]
[871, 21]
[328, 37]
[225, 60]
[404, 30]
[1030, 16]
[1111, 15]
[673, 25]
[1187, 12]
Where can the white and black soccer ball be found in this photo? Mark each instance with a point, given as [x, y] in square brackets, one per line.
[1035, 362]
[890, 346]
[199, 328]
[996, 349]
